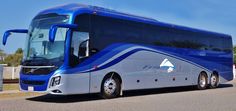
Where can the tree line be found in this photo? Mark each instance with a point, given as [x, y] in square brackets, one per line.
[11, 59]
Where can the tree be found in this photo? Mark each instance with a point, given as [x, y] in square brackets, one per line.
[19, 51]
[14, 59]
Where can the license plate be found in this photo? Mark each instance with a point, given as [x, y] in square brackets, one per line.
[30, 88]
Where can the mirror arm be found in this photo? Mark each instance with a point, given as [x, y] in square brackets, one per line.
[53, 29]
[8, 33]
[83, 42]
[17, 31]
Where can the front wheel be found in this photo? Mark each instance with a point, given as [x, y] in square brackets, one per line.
[202, 81]
[110, 87]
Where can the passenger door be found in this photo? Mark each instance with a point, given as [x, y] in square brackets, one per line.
[79, 51]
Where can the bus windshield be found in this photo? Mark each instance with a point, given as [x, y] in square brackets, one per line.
[38, 46]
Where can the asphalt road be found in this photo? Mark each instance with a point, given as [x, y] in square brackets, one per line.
[168, 99]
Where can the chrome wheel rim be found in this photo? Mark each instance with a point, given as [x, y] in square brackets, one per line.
[213, 80]
[109, 86]
[202, 81]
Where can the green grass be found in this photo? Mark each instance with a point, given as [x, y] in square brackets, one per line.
[7, 87]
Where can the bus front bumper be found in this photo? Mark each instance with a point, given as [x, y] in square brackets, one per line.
[53, 84]
[41, 83]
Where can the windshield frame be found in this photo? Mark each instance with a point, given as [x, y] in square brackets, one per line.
[27, 60]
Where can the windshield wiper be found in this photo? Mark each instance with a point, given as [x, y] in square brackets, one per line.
[37, 62]
[37, 57]
[41, 61]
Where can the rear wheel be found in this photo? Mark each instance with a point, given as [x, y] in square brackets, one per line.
[214, 81]
[202, 81]
[111, 87]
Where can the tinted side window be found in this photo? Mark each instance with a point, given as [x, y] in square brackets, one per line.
[106, 31]
[83, 22]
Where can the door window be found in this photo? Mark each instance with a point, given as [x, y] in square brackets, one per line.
[79, 46]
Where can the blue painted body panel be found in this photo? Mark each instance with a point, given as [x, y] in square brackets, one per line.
[44, 78]
[207, 62]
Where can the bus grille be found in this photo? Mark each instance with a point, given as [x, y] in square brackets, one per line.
[35, 71]
[33, 82]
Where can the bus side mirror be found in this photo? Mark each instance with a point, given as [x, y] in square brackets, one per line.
[53, 30]
[9, 32]
[83, 48]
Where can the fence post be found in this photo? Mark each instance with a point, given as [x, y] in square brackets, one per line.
[13, 73]
[1, 77]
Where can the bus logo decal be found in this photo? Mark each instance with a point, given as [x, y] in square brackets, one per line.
[167, 66]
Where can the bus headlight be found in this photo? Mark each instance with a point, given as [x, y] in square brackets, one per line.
[55, 81]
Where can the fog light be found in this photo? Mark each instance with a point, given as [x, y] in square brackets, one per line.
[56, 91]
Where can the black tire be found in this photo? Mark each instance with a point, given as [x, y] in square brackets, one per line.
[214, 81]
[202, 81]
[105, 89]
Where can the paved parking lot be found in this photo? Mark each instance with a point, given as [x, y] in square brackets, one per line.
[169, 99]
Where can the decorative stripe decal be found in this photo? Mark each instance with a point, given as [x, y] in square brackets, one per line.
[115, 53]
[108, 59]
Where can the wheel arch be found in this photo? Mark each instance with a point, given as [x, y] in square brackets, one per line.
[215, 72]
[204, 72]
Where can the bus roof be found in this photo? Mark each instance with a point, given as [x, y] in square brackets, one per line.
[76, 9]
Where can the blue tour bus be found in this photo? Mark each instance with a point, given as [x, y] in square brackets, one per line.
[77, 49]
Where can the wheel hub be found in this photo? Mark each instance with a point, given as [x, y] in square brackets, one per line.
[202, 81]
[213, 80]
[109, 86]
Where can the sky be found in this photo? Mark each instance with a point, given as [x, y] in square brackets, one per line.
[211, 15]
